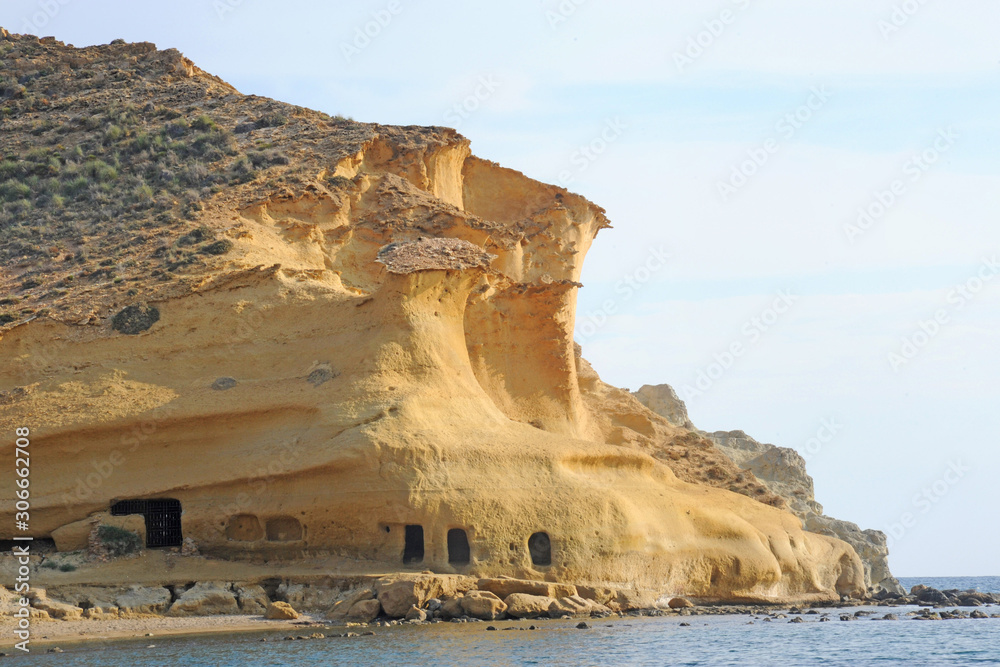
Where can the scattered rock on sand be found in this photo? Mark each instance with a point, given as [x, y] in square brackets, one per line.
[280, 611]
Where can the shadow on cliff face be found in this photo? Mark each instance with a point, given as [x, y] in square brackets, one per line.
[459, 402]
[783, 472]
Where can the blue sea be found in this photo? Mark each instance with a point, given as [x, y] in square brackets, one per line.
[981, 584]
[710, 640]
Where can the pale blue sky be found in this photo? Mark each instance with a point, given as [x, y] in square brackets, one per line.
[555, 80]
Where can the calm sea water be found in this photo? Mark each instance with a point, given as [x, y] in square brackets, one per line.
[981, 584]
[712, 640]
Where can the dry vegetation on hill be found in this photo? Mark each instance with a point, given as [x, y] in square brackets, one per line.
[119, 165]
[409, 343]
[121, 168]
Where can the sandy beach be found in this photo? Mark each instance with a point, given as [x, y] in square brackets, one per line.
[49, 632]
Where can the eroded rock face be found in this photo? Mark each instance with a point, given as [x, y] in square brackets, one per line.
[205, 599]
[783, 471]
[459, 400]
[139, 600]
[869, 544]
[664, 401]
[252, 599]
[55, 609]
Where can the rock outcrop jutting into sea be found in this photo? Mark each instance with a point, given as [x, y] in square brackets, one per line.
[282, 335]
[783, 471]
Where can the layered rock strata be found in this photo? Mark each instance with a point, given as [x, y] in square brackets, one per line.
[783, 471]
[363, 349]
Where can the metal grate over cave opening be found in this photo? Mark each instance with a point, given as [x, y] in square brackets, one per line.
[162, 516]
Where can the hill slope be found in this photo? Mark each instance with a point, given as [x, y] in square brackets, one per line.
[317, 335]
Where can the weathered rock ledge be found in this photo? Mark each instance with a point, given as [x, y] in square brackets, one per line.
[274, 336]
[783, 471]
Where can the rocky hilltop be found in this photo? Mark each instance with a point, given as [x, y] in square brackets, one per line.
[783, 471]
[277, 337]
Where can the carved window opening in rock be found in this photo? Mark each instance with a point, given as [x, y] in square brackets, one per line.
[284, 529]
[162, 516]
[244, 528]
[413, 548]
[540, 548]
[458, 547]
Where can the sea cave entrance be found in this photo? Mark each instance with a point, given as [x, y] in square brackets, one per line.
[458, 547]
[413, 549]
[540, 548]
[162, 516]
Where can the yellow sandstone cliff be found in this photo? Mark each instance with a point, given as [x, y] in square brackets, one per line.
[383, 341]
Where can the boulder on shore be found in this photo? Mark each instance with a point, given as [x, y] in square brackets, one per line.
[280, 611]
[342, 607]
[504, 586]
[398, 593]
[574, 605]
[483, 605]
[364, 611]
[523, 605]
[205, 599]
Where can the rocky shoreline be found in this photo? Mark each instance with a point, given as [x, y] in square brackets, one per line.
[284, 623]
[424, 598]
